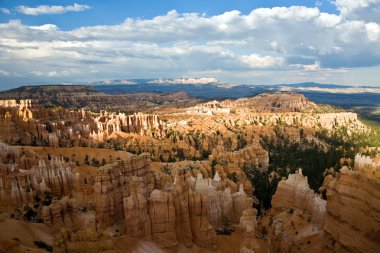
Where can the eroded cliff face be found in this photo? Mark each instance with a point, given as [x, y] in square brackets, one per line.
[194, 189]
[60, 214]
[279, 101]
[113, 184]
[86, 97]
[129, 198]
[328, 121]
[171, 136]
[58, 127]
[248, 226]
[295, 193]
[13, 109]
[87, 241]
[301, 221]
[38, 126]
[295, 222]
[253, 155]
[265, 102]
[186, 211]
[23, 187]
[138, 123]
[353, 209]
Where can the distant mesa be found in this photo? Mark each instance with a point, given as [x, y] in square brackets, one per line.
[207, 89]
[90, 98]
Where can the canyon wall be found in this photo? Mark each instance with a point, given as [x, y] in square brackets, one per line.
[295, 193]
[186, 211]
[352, 223]
[87, 97]
[138, 123]
[20, 187]
[254, 155]
[328, 121]
[348, 222]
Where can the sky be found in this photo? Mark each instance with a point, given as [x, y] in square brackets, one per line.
[237, 41]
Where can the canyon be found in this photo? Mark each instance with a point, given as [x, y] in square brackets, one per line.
[191, 178]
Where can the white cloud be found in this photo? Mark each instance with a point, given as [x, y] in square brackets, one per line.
[262, 62]
[373, 31]
[328, 20]
[5, 11]
[294, 42]
[296, 13]
[348, 6]
[51, 9]
[45, 27]
[312, 67]
[3, 72]
[50, 73]
[368, 10]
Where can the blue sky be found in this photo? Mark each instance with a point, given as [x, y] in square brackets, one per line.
[239, 41]
[116, 11]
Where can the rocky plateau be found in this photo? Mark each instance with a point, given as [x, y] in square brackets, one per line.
[168, 173]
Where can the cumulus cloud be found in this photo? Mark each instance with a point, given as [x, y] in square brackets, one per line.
[51, 9]
[256, 61]
[5, 11]
[295, 41]
[312, 67]
[368, 10]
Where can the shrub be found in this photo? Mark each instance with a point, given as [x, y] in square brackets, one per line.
[43, 245]
[29, 214]
[48, 199]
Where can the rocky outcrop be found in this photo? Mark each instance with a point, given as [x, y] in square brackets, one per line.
[41, 126]
[162, 215]
[20, 187]
[348, 222]
[353, 211]
[148, 212]
[83, 241]
[138, 123]
[112, 185]
[265, 102]
[8, 103]
[295, 193]
[248, 225]
[187, 211]
[277, 102]
[241, 201]
[8, 154]
[209, 108]
[280, 241]
[24, 106]
[87, 97]
[366, 163]
[224, 208]
[202, 231]
[136, 215]
[254, 155]
[328, 121]
[181, 205]
[57, 177]
[61, 213]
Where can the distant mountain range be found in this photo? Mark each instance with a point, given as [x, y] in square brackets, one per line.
[340, 95]
[209, 89]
